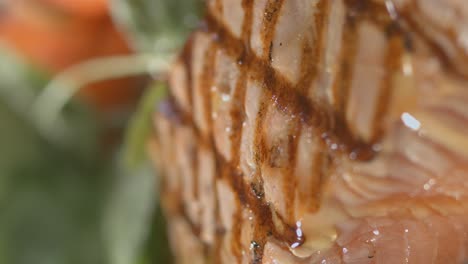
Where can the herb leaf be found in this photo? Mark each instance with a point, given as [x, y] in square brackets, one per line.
[161, 25]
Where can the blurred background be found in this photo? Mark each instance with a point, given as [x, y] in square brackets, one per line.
[79, 80]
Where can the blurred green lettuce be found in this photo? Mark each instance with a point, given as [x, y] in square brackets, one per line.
[157, 25]
[64, 201]
[48, 192]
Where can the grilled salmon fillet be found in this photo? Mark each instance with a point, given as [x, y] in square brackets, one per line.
[318, 131]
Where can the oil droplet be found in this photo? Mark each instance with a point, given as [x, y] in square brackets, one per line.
[391, 9]
[410, 121]
[376, 232]
[254, 245]
[295, 245]
[299, 230]
[226, 97]
[299, 235]
[428, 185]
[257, 190]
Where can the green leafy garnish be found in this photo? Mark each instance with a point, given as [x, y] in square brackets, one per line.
[160, 25]
[49, 193]
[141, 124]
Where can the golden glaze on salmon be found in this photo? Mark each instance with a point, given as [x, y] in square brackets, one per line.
[319, 132]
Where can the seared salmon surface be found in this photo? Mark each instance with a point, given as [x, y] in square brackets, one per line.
[318, 131]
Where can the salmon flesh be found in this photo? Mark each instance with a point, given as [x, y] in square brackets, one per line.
[318, 131]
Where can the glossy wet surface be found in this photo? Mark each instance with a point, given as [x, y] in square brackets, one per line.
[318, 132]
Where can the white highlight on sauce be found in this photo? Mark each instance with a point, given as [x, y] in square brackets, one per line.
[410, 121]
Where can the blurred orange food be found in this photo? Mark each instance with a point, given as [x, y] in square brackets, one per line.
[86, 8]
[56, 34]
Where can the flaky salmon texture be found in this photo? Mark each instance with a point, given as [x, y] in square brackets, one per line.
[319, 131]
